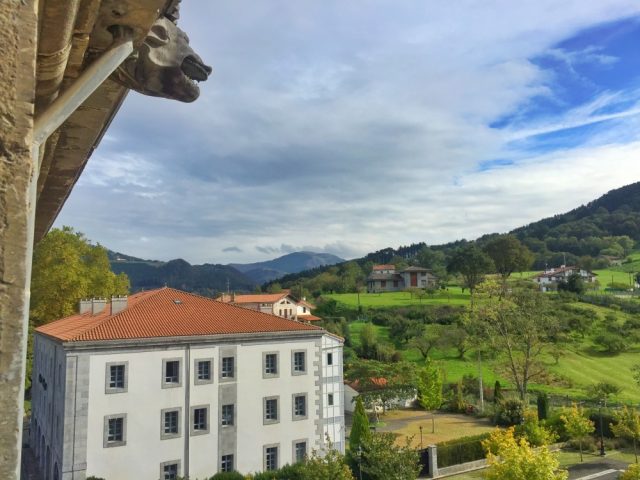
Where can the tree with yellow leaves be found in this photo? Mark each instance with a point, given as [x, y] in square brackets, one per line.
[632, 473]
[628, 426]
[577, 425]
[513, 459]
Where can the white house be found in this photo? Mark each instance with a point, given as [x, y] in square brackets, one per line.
[281, 304]
[549, 279]
[166, 384]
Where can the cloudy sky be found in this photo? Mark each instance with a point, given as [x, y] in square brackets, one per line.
[346, 127]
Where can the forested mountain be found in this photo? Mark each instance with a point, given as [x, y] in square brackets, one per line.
[295, 262]
[590, 235]
[204, 279]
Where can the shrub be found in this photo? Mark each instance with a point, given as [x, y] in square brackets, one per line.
[611, 342]
[543, 406]
[461, 450]
[632, 473]
[535, 432]
[227, 476]
[509, 412]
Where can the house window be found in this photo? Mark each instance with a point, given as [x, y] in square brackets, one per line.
[299, 362]
[170, 423]
[299, 451]
[383, 283]
[395, 283]
[330, 399]
[115, 430]
[228, 370]
[270, 410]
[270, 363]
[170, 470]
[199, 420]
[329, 358]
[226, 419]
[226, 463]
[299, 406]
[304, 309]
[203, 371]
[116, 377]
[271, 458]
[171, 373]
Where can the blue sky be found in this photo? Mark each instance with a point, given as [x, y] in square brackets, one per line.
[345, 128]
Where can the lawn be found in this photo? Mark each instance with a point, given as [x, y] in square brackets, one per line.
[407, 423]
[451, 296]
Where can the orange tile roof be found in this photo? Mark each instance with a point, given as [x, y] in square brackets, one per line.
[384, 267]
[168, 312]
[307, 317]
[253, 298]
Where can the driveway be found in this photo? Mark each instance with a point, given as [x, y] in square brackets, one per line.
[599, 470]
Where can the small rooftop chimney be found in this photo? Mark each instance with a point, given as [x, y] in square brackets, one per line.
[119, 304]
[84, 306]
[97, 305]
[233, 297]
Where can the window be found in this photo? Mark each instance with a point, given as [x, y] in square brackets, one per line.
[116, 377]
[304, 309]
[299, 451]
[199, 420]
[270, 410]
[226, 418]
[227, 370]
[271, 458]
[299, 406]
[171, 373]
[170, 423]
[203, 371]
[330, 399]
[115, 430]
[383, 283]
[170, 470]
[329, 358]
[299, 362]
[270, 364]
[226, 463]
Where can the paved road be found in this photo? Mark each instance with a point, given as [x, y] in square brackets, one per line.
[600, 470]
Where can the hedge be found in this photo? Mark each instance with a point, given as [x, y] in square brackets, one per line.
[461, 450]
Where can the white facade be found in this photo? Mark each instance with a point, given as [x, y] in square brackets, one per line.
[70, 417]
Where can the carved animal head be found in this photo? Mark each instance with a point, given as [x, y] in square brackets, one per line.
[164, 65]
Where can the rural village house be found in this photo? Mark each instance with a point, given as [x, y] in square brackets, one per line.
[550, 278]
[384, 278]
[281, 304]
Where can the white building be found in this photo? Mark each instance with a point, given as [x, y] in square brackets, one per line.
[282, 304]
[550, 278]
[166, 384]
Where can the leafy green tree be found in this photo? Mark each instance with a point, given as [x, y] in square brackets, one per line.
[603, 391]
[360, 431]
[66, 269]
[382, 382]
[326, 465]
[543, 405]
[472, 263]
[429, 383]
[573, 284]
[431, 337]
[497, 392]
[534, 431]
[434, 260]
[512, 459]
[577, 425]
[519, 326]
[509, 255]
[628, 426]
[382, 459]
[611, 342]
[368, 341]
[456, 337]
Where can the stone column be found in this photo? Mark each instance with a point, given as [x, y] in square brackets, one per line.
[432, 455]
[18, 48]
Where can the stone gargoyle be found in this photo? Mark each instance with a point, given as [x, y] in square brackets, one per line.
[164, 65]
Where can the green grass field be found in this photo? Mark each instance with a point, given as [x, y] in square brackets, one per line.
[451, 296]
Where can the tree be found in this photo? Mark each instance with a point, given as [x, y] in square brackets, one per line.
[382, 459]
[434, 260]
[429, 383]
[359, 428]
[456, 337]
[573, 284]
[602, 391]
[382, 382]
[326, 465]
[512, 459]
[472, 263]
[497, 392]
[628, 426]
[430, 338]
[577, 425]
[508, 255]
[518, 325]
[66, 269]
[543, 405]
[368, 341]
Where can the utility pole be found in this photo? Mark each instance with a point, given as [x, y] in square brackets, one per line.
[480, 381]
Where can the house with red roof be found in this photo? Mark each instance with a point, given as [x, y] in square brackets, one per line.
[551, 277]
[282, 304]
[168, 381]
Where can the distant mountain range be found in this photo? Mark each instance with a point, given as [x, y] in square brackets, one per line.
[210, 279]
[262, 272]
